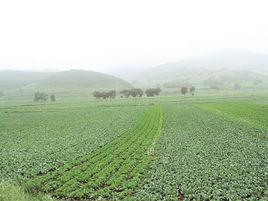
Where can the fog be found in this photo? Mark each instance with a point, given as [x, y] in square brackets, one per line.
[105, 35]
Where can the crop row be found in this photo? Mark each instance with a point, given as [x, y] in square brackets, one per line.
[114, 170]
[33, 142]
[254, 115]
[203, 156]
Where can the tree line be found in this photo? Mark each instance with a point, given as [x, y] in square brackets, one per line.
[41, 96]
[185, 90]
[104, 94]
[126, 93]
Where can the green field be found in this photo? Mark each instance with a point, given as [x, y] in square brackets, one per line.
[165, 148]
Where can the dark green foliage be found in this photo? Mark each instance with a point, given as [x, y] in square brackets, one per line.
[104, 94]
[125, 93]
[53, 97]
[151, 92]
[40, 96]
[113, 171]
[134, 92]
[192, 89]
[184, 90]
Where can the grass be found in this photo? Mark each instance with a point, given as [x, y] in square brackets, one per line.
[255, 115]
[11, 192]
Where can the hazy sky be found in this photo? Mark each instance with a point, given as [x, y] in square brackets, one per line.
[63, 34]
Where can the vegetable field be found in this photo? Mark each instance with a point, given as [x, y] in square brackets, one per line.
[113, 171]
[37, 138]
[203, 156]
[145, 149]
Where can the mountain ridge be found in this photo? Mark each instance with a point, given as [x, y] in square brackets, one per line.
[196, 70]
[10, 79]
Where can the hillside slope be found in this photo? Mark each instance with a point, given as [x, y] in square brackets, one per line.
[65, 79]
[70, 84]
[81, 78]
[10, 79]
[229, 67]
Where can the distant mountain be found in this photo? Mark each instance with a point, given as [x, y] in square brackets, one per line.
[128, 72]
[227, 66]
[10, 79]
[72, 79]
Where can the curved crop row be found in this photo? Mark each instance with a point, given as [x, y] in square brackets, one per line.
[33, 142]
[114, 170]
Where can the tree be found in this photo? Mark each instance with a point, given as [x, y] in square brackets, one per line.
[112, 94]
[53, 98]
[237, 86]
[192, 89]
[158, 90]
[1, 94]
[184, 90]
[125, 93]
[134, 92]
[97, 94]
[105, 94]
[140, 92]
[151, 92]
[40, 96]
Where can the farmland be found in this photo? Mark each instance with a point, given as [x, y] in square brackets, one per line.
[113, 171]
[36, 138]
[204, 156]
[167, 148]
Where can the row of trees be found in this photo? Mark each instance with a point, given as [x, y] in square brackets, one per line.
[153, 92]
[134, 92]
[104, 94]
[126, 93]
[41, 96]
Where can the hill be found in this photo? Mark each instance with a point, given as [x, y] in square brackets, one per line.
[83, 79]
[10, 79]
[64, 83]
[227, 67]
